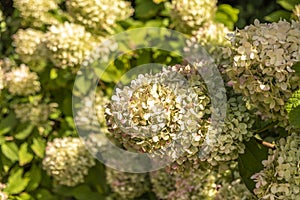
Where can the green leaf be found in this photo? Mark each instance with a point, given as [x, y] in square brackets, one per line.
[38, 147]
[288, 4]
[24, 156]
[16, 183]
[296, 67]
[8, 123]
[251, 161]
[81, 192]
[35, 176]
[277, 15]
[227, 15]
[24, 196]
[146, 9]
[294, 117]
[10, 150]
[23, 131]
[293, 101]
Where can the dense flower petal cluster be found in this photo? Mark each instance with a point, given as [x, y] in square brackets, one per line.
[211, 33]
[127, 185]
[197, 184]
[21, 81]
[37, 13]
[99, 15]
[280, 178]
[236, 130]
[260, 68]
[28, 43]
[68, 44]
[34, 112]
[189, 15]
[157, 111]
[67, 161]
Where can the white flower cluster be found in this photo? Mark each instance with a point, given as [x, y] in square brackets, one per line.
[158, 111]
[67, 161]
[212, 33]
[21, 81]
[189, 15]
[29, 47]
[34, 112]
[127, 185]
[37, 13]
[260, 68]
[68, 44]
[99, 15]
[197, 184]
[237, 129]
[280, 178]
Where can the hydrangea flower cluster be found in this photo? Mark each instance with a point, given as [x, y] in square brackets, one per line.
[34, 112]
[212, 33]
[189, 15]
[29, 47]
[158, 110]
[236, 130]
[280, 178]
[1, 79]
[21, 81]
[67, 161]
[198, 184]
[97, 15]
[68, 44]
[37, 13]
[127, 185]
[260, 69]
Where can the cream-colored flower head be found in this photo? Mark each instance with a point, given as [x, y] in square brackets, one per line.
[68, 44]
[37, 13]
[21, 81]
[189, 15]
[280, 178]
[236, 130]
[127, 185]
[67, 161]
[29, 46]
[261, 59]
[159, 112]
[34, 112]
[99, 15]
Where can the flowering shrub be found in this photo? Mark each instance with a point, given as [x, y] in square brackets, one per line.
[226, 133]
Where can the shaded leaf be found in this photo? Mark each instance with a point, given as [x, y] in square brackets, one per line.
[251, 162]
[38, 147]
[10, 150]
[288, 5]
[296, 67]
[35, 175]
[277, 15]
[294, 117]
[8, 123]
[23, 131]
